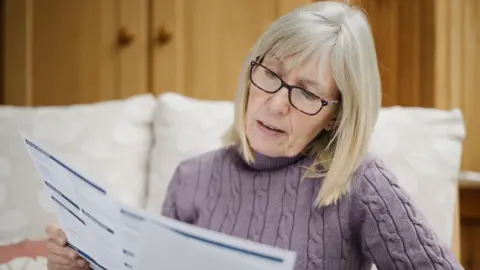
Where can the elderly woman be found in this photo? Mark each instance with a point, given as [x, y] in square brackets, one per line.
[295, 172]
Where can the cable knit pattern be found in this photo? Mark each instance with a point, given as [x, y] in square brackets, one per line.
[259, 206]
[374, 223]
[315, 240]
[424, 233]
[233, 201]
[288, 210]
[215, 185]
[407, 241]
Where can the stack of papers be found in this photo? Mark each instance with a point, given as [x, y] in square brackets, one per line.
[111, 235]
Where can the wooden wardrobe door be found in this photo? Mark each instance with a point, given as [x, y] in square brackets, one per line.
[199, 46]
[456, 84]
[404, 33]
[457, 69]
[64, 52]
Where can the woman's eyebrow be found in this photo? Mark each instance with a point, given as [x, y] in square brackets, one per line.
[317, 87]
[276, 62]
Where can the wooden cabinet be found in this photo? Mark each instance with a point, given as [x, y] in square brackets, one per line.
[65, 52]
[404, 33]
[457, 64]
[199, 46]
[79, 51]
[470, 231]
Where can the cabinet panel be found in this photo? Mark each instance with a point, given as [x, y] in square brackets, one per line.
[470, 231]
[285, 6]
[70, 60]
[471, 245]
[67, 52]
[16, 52]
[210, 40]
[131, 76]
[457, 65]
[384, 21]
[404, 38]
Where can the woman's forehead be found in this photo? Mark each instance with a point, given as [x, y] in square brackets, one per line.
[312, 68]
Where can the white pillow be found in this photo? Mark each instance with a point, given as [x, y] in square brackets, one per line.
[109, 142]
[183, 127]
[423, 149]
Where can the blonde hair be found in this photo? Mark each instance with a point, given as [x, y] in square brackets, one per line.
[341, 32]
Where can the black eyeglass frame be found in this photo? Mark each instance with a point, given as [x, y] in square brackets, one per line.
[325, 102]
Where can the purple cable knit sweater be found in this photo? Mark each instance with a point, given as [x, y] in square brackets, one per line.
[266, 202]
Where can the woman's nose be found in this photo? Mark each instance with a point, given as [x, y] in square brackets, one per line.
[279, 102]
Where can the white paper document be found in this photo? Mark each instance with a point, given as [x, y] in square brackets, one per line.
[114, 236]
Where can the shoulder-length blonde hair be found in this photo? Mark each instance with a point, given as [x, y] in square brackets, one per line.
[341, 32]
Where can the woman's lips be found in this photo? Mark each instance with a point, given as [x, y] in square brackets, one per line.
[269, 128]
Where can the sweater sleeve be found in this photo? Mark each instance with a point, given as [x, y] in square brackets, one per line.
[169, 207]
[183, 188]
[393, 233]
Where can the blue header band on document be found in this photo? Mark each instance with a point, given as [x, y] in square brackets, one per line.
[65, 166]
[86, 256]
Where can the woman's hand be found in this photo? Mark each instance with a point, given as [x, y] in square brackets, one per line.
[61, 257]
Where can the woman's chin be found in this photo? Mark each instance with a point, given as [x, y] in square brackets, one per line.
[265, 149]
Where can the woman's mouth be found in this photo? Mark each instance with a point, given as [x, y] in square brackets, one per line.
[270, 128]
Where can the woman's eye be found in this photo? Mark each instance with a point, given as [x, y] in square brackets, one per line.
[309, 95]
[269, 73]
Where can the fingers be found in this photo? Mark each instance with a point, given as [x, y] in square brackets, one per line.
[57, 259]
[52, 266]
[59, 255]
[62, 251]
[58, 262]
[56, 234]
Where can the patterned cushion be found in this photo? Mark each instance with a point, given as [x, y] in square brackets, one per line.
[108, 142]
[183, 127]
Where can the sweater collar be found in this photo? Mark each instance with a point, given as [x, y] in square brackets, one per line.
[267, 163]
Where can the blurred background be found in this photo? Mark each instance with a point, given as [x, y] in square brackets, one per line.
[63, 52]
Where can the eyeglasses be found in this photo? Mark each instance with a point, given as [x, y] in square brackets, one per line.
[301, 99]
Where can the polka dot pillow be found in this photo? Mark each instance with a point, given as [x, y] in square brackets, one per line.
[183, 127]
[109, 142]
